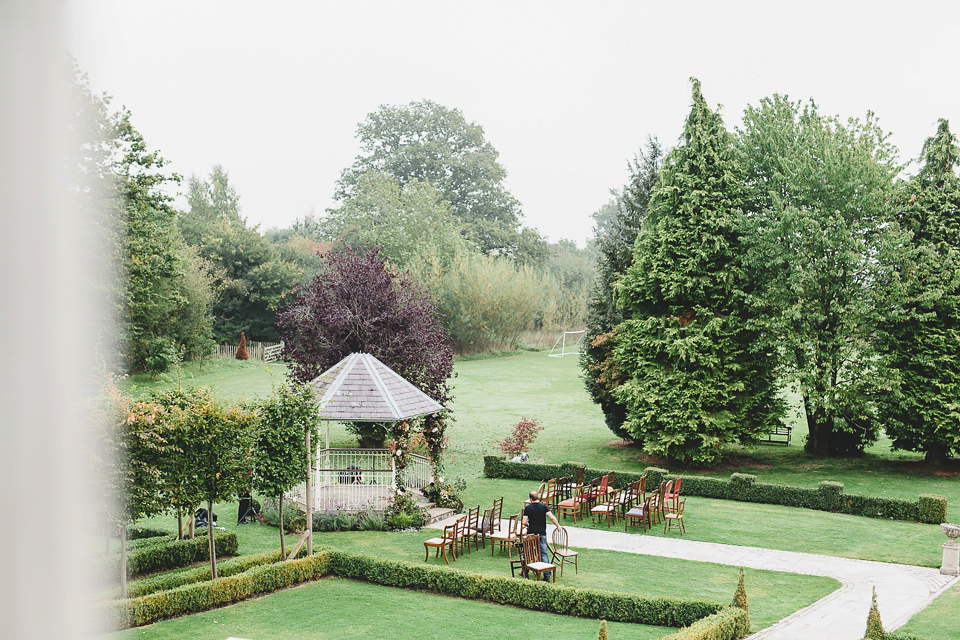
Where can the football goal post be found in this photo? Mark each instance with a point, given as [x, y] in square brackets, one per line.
[568, 344]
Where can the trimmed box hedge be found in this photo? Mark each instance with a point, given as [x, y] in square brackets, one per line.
[170, 553]
[730, 623]
[704, 616]
[827, 496]
[539, 596]
[202, 596]
[232, 566]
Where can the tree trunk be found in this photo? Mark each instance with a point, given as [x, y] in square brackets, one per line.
[936, 453]
[193, 523]
[123, 561]
[818, 428]
[283, 548]
[309, 495]
[213, 545]
[179, 523]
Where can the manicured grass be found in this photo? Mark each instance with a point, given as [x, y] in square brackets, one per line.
[232, 379]
[490, 394]
[939, 620]
[336, 608]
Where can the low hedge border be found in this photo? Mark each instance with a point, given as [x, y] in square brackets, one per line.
[202, 596]
[827, 496]
[539, 596]
[698, 616]
[730, 623]
[230, 567]
[174, 554]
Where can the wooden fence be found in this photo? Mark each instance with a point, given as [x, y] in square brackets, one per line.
[266, 351]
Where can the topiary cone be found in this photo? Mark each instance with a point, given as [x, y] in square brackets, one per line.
[874, 626]
[603, 631]
[740, 597]
[242, 349]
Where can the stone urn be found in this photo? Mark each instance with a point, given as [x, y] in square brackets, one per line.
[951, 550]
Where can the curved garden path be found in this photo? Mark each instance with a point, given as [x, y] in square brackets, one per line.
[902, 590]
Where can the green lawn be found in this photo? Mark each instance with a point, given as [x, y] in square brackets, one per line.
[335, 608]
[939, 621]
[490, 394]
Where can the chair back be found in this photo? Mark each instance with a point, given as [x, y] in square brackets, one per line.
[498, 507]
[473, 519]
[550, 491]
[676, 486]
[560, 539]
[518, 525]
[580, 472]
[513, 527]
[452, 531]
[611, 476]
[531, 548]
[603, 482]
[642, 484]
[542, 489]
[487, 524]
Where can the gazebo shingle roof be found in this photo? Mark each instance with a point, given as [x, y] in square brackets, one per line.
[360, 388]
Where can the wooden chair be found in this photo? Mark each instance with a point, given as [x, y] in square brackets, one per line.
[449, 539]
[531, 558]
[656, 502]
[675, 493]
[518, 564]
[607, 508]
[487, 525]
[642, 512]
[507, 537]
[564, 488]
[470, 529]
[498, 508]
[541, 491]
[573, 505]
[549, 495]
[598, 490]
[561, 552]
[674, 518]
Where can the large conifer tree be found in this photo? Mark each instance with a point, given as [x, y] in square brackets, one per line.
[921, 339]
[699, 366]
[618, 224]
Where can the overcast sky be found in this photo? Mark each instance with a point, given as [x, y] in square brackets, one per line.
[565, 91]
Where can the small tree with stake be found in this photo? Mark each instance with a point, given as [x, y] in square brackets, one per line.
[242, 349]
[220, 457]
[280, 447]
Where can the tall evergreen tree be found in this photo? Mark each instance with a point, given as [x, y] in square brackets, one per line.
[921, 336]
[617, 226]
[697, 361]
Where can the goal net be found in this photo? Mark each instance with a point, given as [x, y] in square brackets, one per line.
[568, 344]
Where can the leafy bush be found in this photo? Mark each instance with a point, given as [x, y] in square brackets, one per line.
[201, 596]
[827, 496]
[404, 513]
[171, 553]
[141, 533]
[370, 519]
[731, 623]
[271, 515]
[334, 519]
[446, 495]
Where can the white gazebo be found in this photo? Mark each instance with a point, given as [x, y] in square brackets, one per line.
[360, 388]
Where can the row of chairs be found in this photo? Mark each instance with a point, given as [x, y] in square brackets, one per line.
[466, 529]
[664, 505]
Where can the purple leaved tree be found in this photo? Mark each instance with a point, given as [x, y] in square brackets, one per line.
[357, 304]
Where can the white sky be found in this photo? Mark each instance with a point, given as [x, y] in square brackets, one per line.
[565, 91]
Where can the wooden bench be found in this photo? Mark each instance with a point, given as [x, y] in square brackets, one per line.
[780, 435]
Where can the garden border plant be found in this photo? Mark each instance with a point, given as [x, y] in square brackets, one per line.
[170, 553]
[700, 618]
[929, 508]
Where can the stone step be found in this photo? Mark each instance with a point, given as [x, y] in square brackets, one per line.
[436, 514]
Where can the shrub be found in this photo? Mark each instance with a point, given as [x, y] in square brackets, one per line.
[932, 508]
[271, 515]
[523, 435]
[731, 623]
[827, 496]
[446, 495]
[370, 519]
[142, 533]
[874, 626]
[170, 553]
[404, 513]
[242, 349]
[201, 596]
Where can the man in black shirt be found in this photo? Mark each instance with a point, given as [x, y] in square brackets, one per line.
[535, 519]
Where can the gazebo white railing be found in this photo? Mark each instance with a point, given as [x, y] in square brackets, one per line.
[355, 479]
